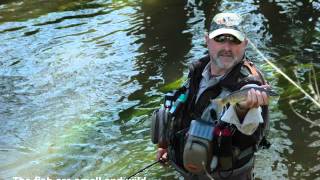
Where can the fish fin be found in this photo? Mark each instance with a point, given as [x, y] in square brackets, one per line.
[218, 101]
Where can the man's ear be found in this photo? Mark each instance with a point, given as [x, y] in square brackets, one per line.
[206, 36]
[246, 42]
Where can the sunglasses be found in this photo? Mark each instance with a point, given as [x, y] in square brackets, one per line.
[224, 38]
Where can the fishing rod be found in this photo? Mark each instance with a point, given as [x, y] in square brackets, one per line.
[283, 74]
[148, 166]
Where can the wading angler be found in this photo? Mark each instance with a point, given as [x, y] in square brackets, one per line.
[198, 135]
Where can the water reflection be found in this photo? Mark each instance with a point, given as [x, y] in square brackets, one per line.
[73, 83]
[294, 28]
[164, 43]
[163, 48]
[34, 9]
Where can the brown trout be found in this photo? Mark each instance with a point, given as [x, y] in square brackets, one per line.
[241, 95]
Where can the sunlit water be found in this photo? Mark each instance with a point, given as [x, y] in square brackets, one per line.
[79, 79]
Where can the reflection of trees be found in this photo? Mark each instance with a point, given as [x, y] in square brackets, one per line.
[307, 18]
[165, 42]
[163, 46]
[293, 28]
[210, 8]
[285, 21]
[278, 23]
[23, 10]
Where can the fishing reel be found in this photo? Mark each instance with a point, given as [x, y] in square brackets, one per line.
[159, 123]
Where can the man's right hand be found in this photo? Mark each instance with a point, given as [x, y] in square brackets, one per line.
[162, 155]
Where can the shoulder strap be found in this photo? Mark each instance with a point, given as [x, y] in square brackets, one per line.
[204, 99]
[254, 71]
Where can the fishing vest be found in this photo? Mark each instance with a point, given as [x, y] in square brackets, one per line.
[242, 74]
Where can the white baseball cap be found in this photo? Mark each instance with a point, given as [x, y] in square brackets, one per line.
[227, 23]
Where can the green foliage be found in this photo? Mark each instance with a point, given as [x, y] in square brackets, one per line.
[174, 85]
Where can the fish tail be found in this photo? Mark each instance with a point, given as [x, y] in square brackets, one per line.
[272, 93]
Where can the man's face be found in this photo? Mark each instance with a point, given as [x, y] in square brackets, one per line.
[225, 52]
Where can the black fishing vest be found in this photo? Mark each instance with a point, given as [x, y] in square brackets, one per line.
[243, 73]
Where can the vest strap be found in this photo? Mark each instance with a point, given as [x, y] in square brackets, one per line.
[246, 152]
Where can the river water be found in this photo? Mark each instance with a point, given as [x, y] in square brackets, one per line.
[79, 80]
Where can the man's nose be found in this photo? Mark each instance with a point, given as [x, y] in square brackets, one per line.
[227, 45]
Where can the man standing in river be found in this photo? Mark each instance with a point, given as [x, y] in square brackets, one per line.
[201, 139]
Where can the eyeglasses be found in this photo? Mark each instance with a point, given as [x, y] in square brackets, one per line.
[223, 38]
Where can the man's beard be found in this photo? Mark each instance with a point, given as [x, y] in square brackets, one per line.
[218, 62]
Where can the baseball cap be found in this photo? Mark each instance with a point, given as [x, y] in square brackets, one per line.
[227, 23]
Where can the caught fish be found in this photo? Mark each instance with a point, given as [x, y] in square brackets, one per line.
[241, 95]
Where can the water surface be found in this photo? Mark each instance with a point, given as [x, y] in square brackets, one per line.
[79, 80]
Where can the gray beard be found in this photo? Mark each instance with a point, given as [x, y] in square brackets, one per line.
[217, 62]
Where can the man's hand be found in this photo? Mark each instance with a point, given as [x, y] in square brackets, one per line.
[162, 155]
[255, 98]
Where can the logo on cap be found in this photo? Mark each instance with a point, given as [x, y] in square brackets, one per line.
[227, 19]
[227, 23]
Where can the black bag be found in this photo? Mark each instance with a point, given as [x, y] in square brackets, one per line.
[197, 154]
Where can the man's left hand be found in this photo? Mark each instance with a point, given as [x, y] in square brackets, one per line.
[255, 98]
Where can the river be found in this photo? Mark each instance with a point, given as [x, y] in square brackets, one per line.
[79, 80]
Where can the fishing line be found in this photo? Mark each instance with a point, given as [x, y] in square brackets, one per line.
[283, 74]
[148, 166]
[315, 82]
